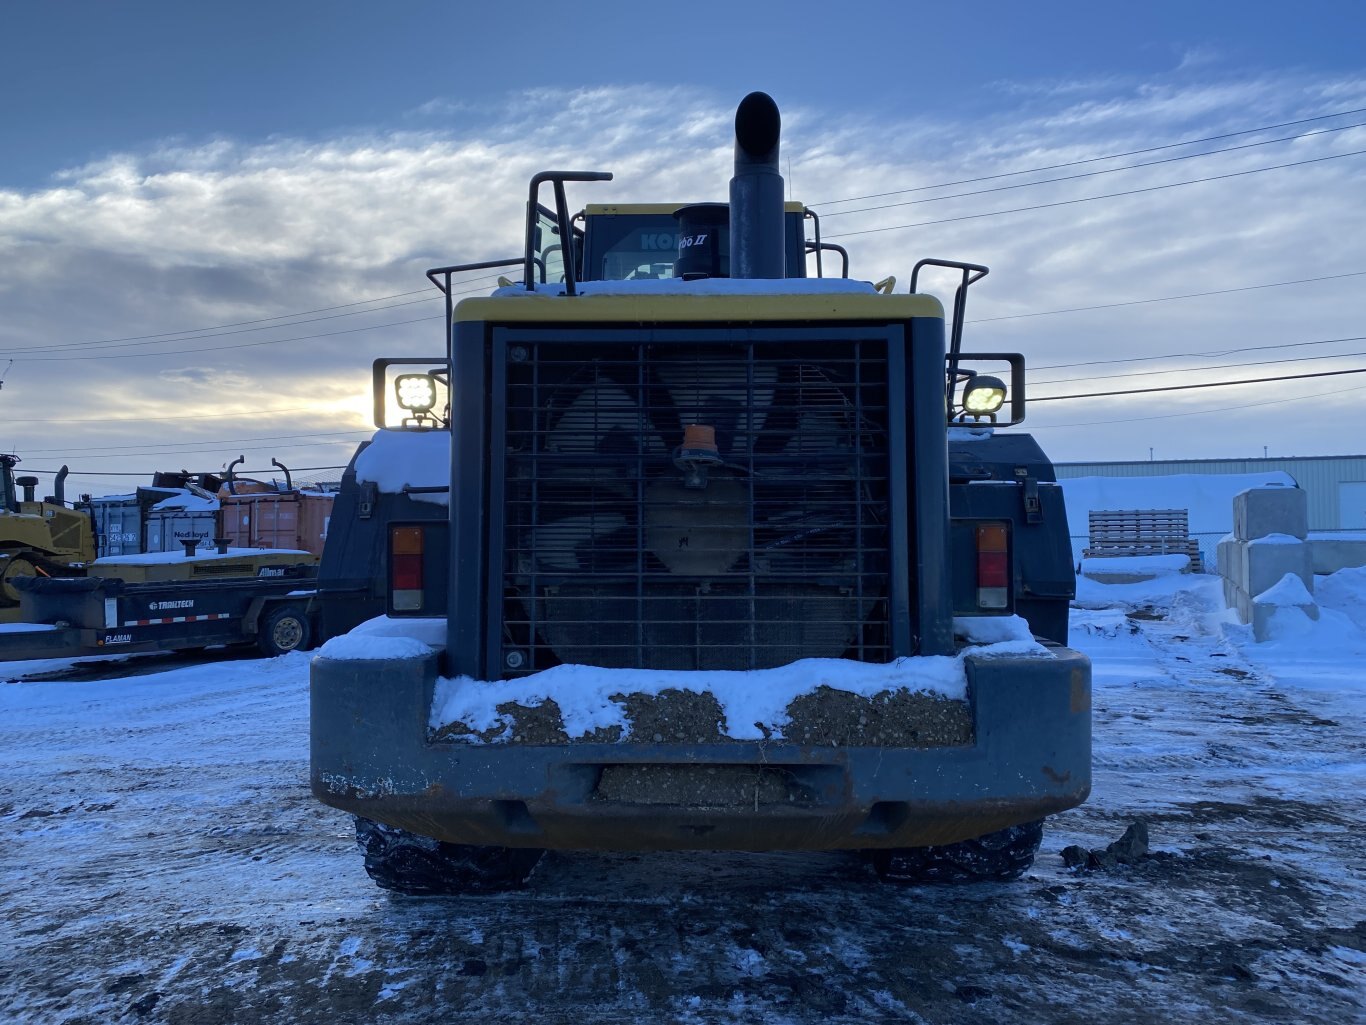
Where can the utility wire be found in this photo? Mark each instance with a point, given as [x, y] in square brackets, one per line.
[1208, 384]
[1088, 174]
[1092, 199]
[1092, 160]
[113, 450]
[169, 335]
[1211, 353]
[160, 419]
[115, 473]
[1168, 298]
[263, 320]
[196, 338]
[173, 335]
[1198, 412]
[220, 348]
[216, 334]
[1201, 369]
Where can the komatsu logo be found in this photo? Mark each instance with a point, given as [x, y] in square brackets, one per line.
[160, 606]
[659, 240]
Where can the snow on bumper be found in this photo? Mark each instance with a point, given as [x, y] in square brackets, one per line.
[1028, 755]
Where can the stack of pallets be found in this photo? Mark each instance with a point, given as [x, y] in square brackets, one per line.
[1123, 532]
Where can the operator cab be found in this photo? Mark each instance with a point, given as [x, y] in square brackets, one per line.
[639, 242]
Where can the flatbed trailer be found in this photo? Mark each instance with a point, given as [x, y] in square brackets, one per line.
[80, 616]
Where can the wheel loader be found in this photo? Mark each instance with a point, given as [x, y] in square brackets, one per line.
[687, 472]
[37, 538]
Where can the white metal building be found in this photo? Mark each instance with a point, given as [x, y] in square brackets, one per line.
[1334, 485]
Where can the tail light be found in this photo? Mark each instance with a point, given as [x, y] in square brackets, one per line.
[405, 569]
[993, 566]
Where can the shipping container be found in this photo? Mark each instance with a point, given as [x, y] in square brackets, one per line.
[120, 521]
[276, 519]
[176, 520]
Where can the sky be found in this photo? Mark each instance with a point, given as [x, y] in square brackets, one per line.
[213, 218]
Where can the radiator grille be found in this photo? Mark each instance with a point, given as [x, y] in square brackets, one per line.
[620, 551]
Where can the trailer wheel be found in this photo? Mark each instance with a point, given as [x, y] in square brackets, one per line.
[996, 857]
[420, 866]
[282, 630]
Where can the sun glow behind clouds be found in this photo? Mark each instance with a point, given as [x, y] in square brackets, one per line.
[230, 232]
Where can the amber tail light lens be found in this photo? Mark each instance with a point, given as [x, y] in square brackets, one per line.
[993, 566]
[405, 568]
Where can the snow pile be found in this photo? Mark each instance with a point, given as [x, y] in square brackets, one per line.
[995, 630]
[962, 433]
[383, 638]
[703, 286]
[1141, 565]
[1345, 593]
[1158, 590]
[587, 696]
[395, 460]
[188, 502]
[200, 555]
[1323, 654]
[1289, 592]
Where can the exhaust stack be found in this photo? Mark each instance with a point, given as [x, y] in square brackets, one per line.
[757, 238]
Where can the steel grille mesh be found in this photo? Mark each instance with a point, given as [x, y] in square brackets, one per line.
[614, 557]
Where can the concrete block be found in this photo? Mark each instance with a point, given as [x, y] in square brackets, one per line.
[1230, 593]
[1258, 512]
[1264, 563]
[1330, 554]
[1226, 556]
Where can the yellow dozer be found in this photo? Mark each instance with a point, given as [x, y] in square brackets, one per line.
[37, 538]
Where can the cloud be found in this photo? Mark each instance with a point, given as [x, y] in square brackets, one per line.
[179, 238]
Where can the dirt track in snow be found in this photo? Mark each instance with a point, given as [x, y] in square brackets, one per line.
[164, 862]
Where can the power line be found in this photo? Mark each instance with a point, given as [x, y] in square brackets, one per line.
[1186, 370]
[148, 473]
[1188, 387]
[196, 338]
[217, 334]
[160, 419]
[1092, 199]
[1092, 160]
[263, 320]
[112, 450]
[220, 348]
[1168, 298]
[1212, 352]
[1091, 174]
[1198, 412]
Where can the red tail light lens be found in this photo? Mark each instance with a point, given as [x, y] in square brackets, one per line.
[993, 566]
[405, 569]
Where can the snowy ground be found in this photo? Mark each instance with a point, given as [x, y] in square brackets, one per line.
[163, 861]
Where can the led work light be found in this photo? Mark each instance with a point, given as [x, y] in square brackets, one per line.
[984, 395]
[416, 392]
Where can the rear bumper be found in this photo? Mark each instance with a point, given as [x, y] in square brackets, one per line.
[1030, 757]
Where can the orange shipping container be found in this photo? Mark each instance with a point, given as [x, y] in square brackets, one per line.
[290, 519]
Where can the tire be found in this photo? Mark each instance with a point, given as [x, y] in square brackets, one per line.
[20, 565]
[996, 857]
[420, 866]
[283, 629]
